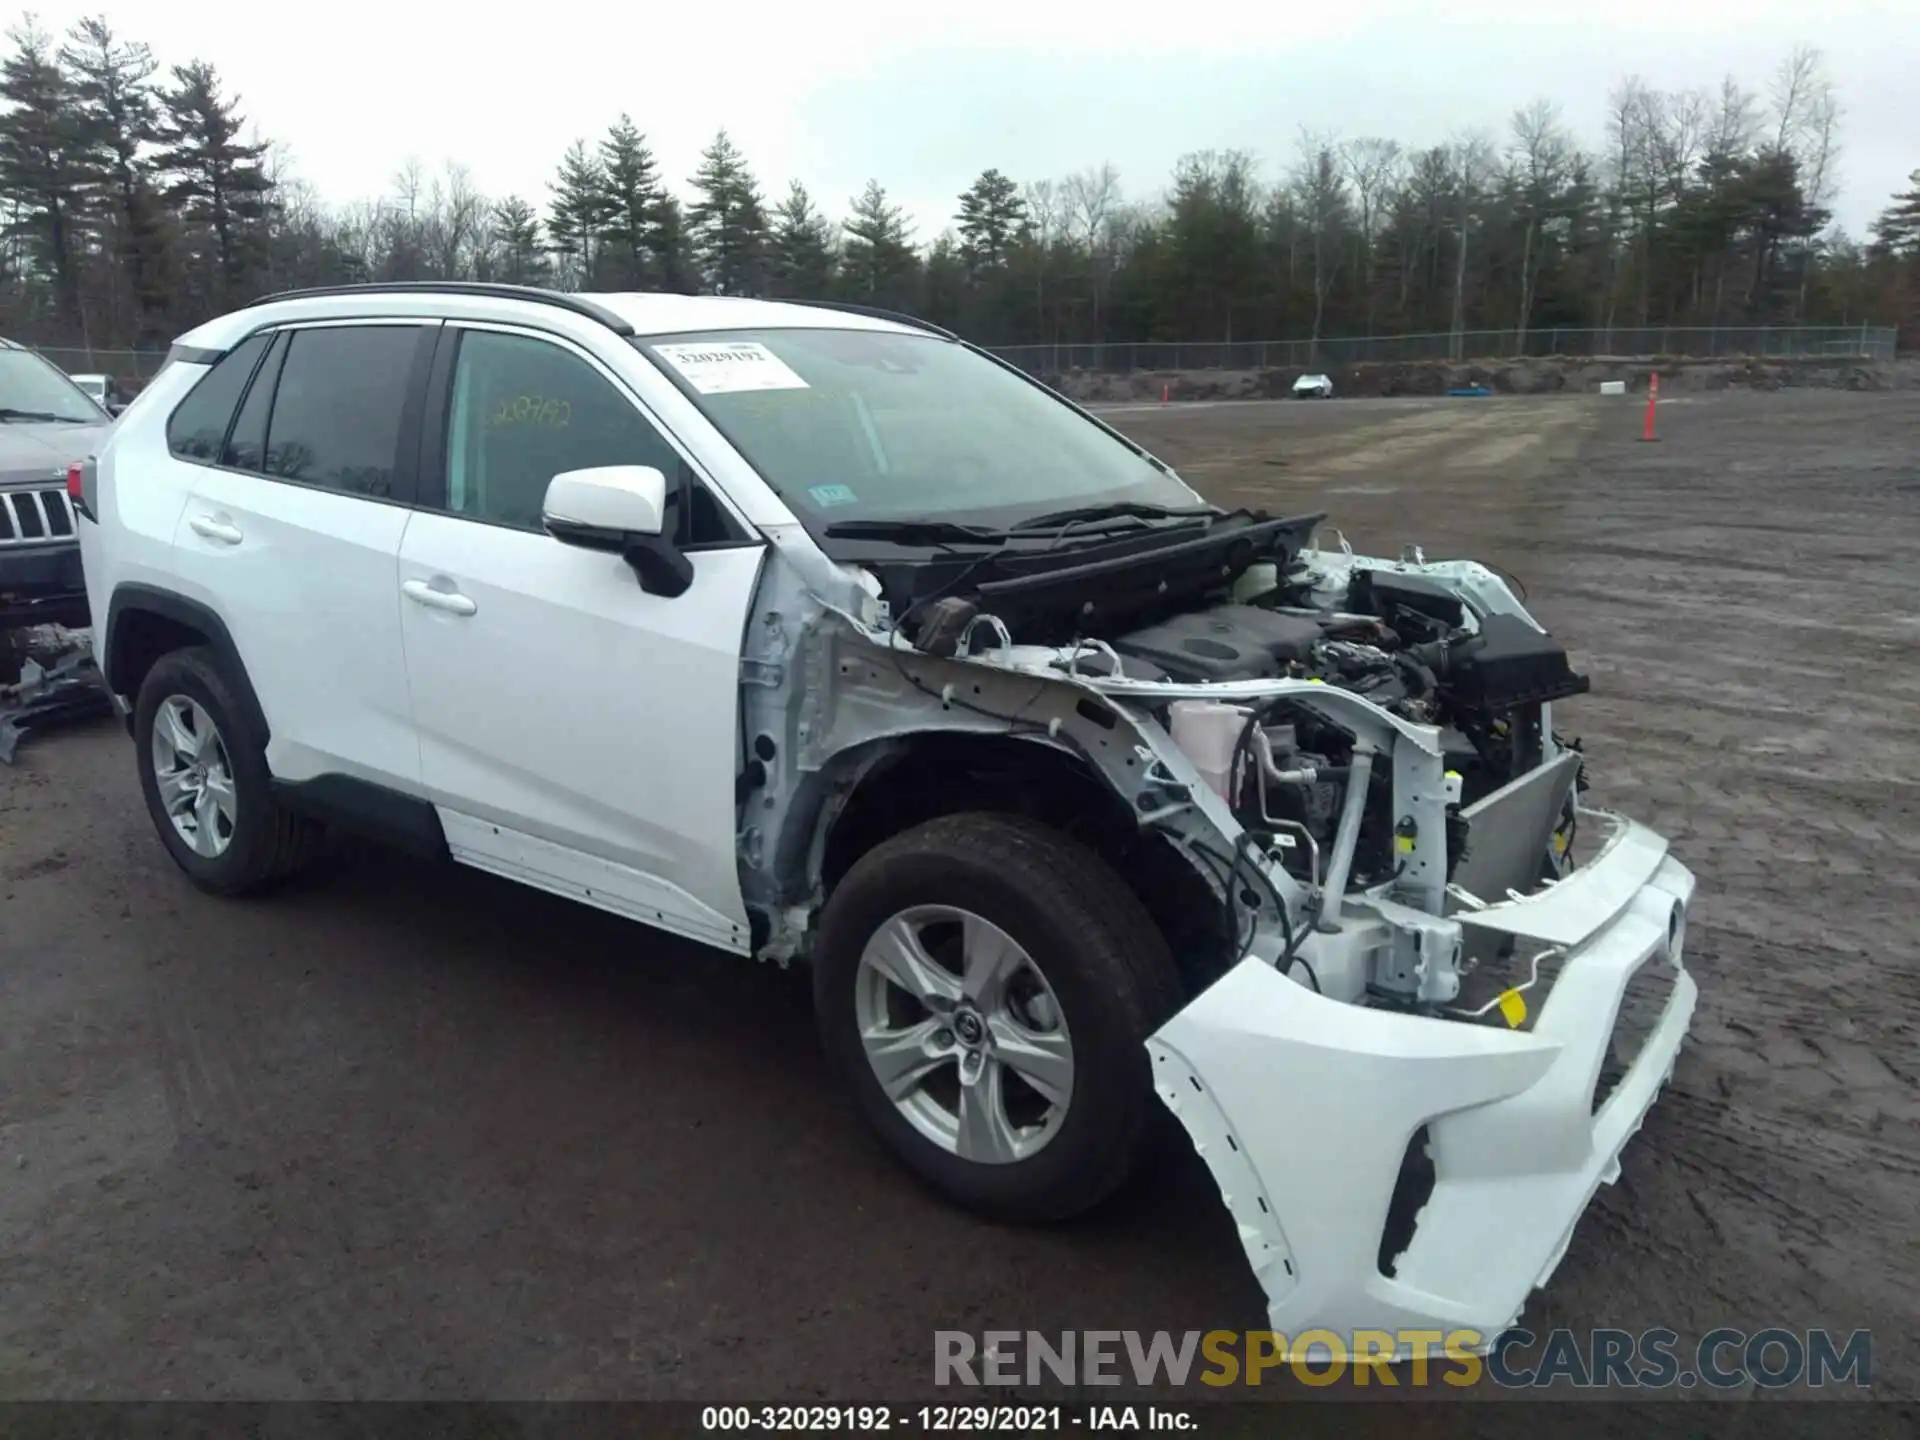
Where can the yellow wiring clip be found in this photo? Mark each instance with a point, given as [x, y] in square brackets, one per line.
[1513, 1009]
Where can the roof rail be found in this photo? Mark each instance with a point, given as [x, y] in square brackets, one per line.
[875, 313]
[559, 299]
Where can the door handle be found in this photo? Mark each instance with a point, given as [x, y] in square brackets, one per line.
[451, 601]
[209, 527]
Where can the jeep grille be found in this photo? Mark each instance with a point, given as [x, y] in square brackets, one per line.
[35, 516]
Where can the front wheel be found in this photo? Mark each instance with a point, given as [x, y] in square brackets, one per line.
[986, 986]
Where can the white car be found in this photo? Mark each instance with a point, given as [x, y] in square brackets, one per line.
[818, 634]
[1313, 387]
[103, 390]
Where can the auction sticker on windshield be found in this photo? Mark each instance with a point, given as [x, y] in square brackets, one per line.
[728, 366]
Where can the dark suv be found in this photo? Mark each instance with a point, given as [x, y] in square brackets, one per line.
[46, 424]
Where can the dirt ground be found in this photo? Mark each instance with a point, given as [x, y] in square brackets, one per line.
[1433, 379]
[409, 1131]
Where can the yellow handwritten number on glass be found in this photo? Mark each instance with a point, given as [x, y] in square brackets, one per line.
[537, 410]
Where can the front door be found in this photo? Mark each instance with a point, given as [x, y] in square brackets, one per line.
[576, 732]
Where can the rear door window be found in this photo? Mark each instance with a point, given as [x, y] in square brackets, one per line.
[339, 410]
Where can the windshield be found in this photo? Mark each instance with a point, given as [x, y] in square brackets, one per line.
[32, 389]
[873, 425]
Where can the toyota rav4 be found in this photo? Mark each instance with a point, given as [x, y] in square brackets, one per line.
[815, 633]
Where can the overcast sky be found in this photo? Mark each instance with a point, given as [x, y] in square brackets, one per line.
[836, 91]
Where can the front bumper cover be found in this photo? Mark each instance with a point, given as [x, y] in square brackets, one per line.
[43, 585]
[1304, 1109]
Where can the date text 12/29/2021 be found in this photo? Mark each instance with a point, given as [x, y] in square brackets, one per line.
[942, 1419]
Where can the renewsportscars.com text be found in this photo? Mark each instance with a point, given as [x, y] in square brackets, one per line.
[1722, 1359]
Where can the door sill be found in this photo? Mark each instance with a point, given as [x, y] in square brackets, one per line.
[619, 889]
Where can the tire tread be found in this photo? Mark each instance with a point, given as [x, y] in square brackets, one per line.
[1122, 949]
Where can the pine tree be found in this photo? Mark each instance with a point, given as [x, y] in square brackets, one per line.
[879, 263]
[46, 165]
[801, 258]
[118, 112]
[578, 215]
[946, 283]
[991, 214]
[728, 223]
[667, 251]
[1896, 230]
[216, 179]
[636, 219]
[519, 258]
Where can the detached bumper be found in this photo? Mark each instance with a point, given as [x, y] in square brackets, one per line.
[1305, 1109]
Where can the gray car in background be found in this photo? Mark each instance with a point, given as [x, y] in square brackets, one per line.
[46, 424]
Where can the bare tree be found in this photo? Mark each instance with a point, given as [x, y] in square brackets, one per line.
[1373, 168]
[1795, 94]
[1807, 129]
[1472, 162]
[455, 227]
[1089, 199]
[1540, 154]
[1319, 188]
[1042, 198]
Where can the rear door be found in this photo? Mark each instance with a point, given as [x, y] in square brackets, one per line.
[296, 529]
[576, 732]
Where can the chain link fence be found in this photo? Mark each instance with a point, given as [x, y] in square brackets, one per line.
[133, 368]
[1853, 342]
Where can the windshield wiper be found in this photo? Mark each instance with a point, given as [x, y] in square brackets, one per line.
[923, 532]
[41, 416]
[1119, 510]
[953, 532]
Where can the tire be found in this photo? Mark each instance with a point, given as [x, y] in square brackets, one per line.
[1105, 980]
[256, 840]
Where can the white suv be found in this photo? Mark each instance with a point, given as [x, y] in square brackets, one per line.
[814, 633]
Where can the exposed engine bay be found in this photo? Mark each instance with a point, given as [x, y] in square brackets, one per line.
[1404, 643]
[1248, 612]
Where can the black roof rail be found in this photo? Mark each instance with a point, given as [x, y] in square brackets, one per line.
[873, 312]
[559, 299]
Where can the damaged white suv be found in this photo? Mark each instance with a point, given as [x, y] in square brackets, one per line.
[815, 633]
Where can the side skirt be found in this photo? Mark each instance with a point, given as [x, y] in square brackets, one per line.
[575, 875]
[405, 822]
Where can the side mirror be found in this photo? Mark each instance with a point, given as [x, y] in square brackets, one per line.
[621, 509]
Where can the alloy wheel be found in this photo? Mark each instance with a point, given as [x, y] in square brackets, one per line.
[195, 776]
[964, 1034]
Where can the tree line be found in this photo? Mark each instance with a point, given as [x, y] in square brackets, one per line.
[138, 201]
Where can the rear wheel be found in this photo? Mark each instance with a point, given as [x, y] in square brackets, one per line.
[986, 986]
[203, 771]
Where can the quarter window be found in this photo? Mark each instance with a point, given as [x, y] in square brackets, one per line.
[198, 426]
[247, 441]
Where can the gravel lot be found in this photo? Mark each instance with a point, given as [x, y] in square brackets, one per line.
[408, 1131]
